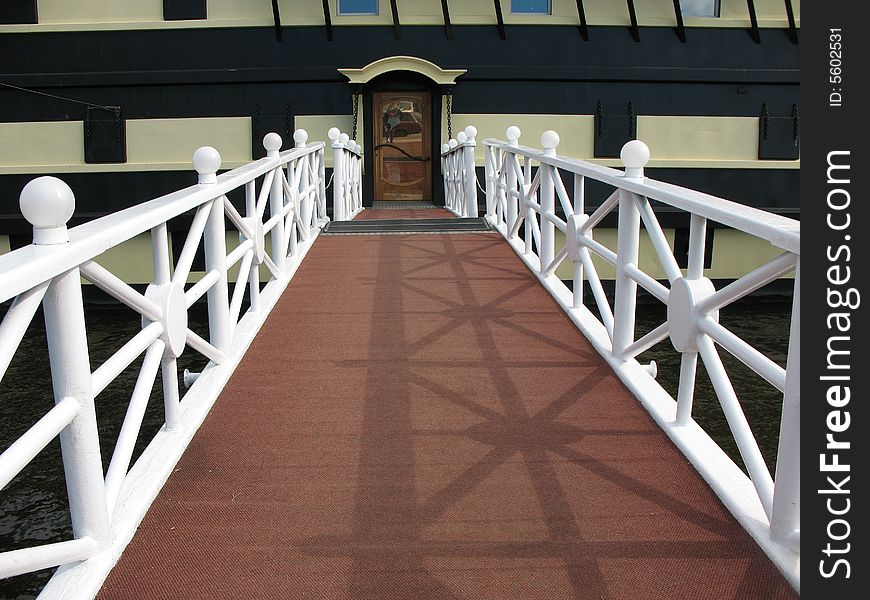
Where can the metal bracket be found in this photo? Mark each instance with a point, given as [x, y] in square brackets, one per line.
[681, 28]
[581, 14]
[499, 17]
[276, 14]
[792, 26]
[448, 27]
[754, 32]
[327, 20]
[632, 14]
[397, 26]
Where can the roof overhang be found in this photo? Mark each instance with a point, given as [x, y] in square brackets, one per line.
[402, 63]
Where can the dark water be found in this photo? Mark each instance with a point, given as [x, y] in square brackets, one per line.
[762, 322]
[33, 507]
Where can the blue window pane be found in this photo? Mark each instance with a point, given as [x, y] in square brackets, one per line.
[539, 7]
[357, 7]
[700, 8]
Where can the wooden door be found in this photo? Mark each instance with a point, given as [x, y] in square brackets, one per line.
[402, 126]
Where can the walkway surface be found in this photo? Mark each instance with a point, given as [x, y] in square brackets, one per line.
[419, 419]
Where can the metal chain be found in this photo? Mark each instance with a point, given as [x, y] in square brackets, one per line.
[797, 120]
[449, 119]
[600, 110]
[355, 115]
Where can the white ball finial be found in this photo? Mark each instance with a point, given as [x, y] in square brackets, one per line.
[344, 138]
[634, 155]
[513, 135]
[452, 144]
[300, 136]
[471, 132]
[272, 143]
[550, 141]
[461, 137]
[445, 148]
[333, 134]
[47, 203]
[206, 161]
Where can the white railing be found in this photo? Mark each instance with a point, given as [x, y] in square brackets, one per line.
[457, 165]
[285, 197]
[346, 176]
[525, 189]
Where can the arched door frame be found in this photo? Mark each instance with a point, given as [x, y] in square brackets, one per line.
[405, 73]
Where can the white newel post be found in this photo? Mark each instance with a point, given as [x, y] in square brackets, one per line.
[168, 363]
[461, 175]
[272, 143]
[634, 155]
[321, 183]
[445, 171]
[254, 275]
[48, 203]
[689, 357]
[513, 136]
[489, 173]
[344, 140]
[337, 175]
[300, 137]
[470, 182]
[357, 178]
[549, 141]
[207, 161]
[454, 176]
[785, 521]
[527, 209]
[579, 212]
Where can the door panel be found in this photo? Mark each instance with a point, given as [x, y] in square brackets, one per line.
[403, 145]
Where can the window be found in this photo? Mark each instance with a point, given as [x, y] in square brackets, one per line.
[700, 8]
[357, 7]
[530, 7]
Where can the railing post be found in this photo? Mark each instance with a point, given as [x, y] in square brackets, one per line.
[786, 514]
[168, 363]
[344, 139]
[470, 182]
[549, 141]
[527, 209]
[489, 173]
[634, 155]
[461, 176]
[321, 182]
[207, 161]
[579, 211]
[445, 172]
[300, 136]
[689, 358]
[272, 143]
[48, 203]
[357, 178]
[513, 136]
[453, 171]
[337, 175]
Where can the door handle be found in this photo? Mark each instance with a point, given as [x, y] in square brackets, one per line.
[393, 146]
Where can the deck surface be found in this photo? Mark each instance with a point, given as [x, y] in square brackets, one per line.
[418, 419]
[398, 213]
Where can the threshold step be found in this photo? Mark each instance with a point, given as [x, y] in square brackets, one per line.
[382, 226]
